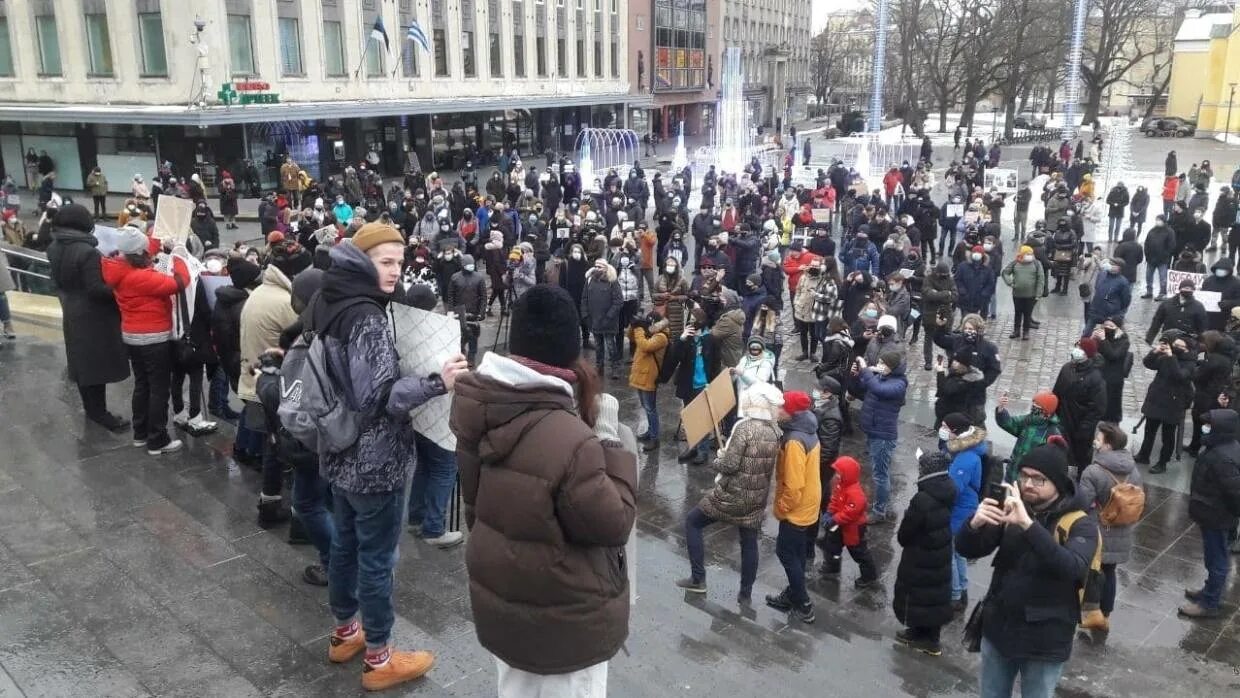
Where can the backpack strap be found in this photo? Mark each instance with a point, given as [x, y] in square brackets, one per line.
[1064, 525]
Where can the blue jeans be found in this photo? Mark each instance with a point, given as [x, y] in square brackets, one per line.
[433, 481]
[695, 521]
[1162, 278]
[790, 549]
[363, 556]
[1217, 559]
[1037, 679]
[647, 398]
[312, 503]
[880, 461]
[960, 576]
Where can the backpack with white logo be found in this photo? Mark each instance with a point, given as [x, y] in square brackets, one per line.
[313, 409]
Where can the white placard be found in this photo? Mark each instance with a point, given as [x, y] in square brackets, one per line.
[172, 218]
[425, 341]
[999, 179]
[1210, 300]
[955, 210]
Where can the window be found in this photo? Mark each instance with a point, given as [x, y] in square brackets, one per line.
[518, 38]
[374, 57]
[581, 58]
[561, 55]
[151, 35]
[467, 52]
[441, 53]
[598, 59]
[6, 49]
[497, 59]
[98, 46]
[290, 47]
[540, 49]
[240, 45]
[49, 45]
[540, 38]
[333, 49]
[615, 59]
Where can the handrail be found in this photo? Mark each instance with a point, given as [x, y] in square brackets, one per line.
[23, 252]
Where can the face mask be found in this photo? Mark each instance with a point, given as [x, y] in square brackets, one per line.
[893, 287]
[887, 331]
[1027, 258]
[1186, 295]
[1206, 429]
[871, 313]
[944, 434]
[670, 269]
[817, 395]
[1078, 354]
[977, 257]
[882, 369]
[469, 267]
[576, 255]
[970, 334]
[214, 266]
[1220, 273]
[420, 260]
[624, 263]
[988, 247]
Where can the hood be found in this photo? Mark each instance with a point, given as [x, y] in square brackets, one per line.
[803, 422]
[68, 235]
[1222, 263]
[608, 273]
[230, 295]
[847, 470]
[351, 274]
[272, 276]
[506, 391]
[1225, 425]
[974, 440]
[1119, 462]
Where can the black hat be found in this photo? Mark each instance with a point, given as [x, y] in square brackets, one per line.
[1052, 461]
[957, 422]
[243, 273]
[75, 217]
[933, 462]
[290, 258]
[546, 327]
[827, 384]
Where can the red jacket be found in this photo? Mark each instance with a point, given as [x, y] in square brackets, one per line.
[795, 266]
[144, 296]
[848, 503]
[728, 220]
[891, 179]
[1171, 185]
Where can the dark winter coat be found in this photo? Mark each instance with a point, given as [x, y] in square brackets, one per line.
[679, 362]
[975, 285]
[1130, 252]
[1159, 245]
[744, 484]
[1171, 391]
[1174, 314]
[922, 596]
[469, 291]
[985, 353]
[226, 330]
[1117, 201]
[1139, 205]
[1032, 608]
[1224, 212]
[884, 396]
[1229, 289]
[601, 303]
[549, 508]
[1214, 495]
[1112, 296]
[1213, 375]
[1114, 352]
[938, 296]
[91, 319]
[964, 393]
[1082, 401]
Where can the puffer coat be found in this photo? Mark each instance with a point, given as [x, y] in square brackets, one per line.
[922, 596]
[745, 468]
[1094, 491]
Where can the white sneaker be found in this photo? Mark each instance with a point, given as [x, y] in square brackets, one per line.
[181, 418]
[199, 425]
[449, 539]
[172, 447]
[139, 443]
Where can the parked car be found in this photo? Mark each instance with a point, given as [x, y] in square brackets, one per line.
[1168, 126]
[1029, 119]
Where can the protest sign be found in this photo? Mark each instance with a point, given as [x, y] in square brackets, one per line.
[425, 341]
[172, 219]
[701, 417]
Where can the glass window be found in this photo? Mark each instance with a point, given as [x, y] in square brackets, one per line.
[615, 59]
[409, 54]
[151, 34]
[467, 51]
[49, 45]
[441, 53]
[598, 59]
[240, 45]
[581, 58]
[540, 49]
[374, 58]
[290, 47]
[518, 38]
[497, 60]
[99, 47]
[333, 48]
[561, 56]
[6, 48]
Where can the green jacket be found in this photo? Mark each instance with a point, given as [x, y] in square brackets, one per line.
[1028, 280]
[97, 184]
[1030, 430]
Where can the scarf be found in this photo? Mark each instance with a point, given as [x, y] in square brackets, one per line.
[564, 374]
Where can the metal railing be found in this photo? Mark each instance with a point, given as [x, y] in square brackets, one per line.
[30, 269]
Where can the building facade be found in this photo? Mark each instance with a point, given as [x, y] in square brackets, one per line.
[209, 83]
[674, 49]
[1205, 69]
[774, 38]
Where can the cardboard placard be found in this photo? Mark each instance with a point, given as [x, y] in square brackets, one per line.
[172, 218]
[702, 416]
[821, 215]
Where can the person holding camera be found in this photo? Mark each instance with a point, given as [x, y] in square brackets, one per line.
[1081, 391]
[692, 360]
[1169, 395]
[1045, 543]
[885, 388]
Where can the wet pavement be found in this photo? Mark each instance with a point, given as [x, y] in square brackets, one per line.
[127, 575]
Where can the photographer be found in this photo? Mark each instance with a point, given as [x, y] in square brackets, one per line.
[466, 296]
[1169, 395]
[681, 368]
[1029, 615]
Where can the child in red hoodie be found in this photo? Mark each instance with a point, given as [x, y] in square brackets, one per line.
[845, 522]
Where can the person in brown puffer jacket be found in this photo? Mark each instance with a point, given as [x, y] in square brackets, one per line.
[549, 481]
[742, 488]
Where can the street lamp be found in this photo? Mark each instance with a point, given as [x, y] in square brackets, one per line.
[1227, 127]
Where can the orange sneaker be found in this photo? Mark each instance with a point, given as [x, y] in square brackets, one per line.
[341, 650]
[400, 667]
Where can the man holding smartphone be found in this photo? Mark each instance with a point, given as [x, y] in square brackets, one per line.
[1030, 613]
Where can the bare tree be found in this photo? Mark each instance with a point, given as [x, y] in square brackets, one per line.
[825, 62]
[1118, 38]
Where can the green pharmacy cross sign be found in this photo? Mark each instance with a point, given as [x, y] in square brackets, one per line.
[252, 92]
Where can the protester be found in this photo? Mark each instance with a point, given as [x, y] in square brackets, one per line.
[885, 387]
[1031, 430]
[648, 335]
[1214, 505]
[845, 525]
[1113, 465]
[739, 497]
[1081, 391]
[922, 593]
[1036, 567]
[1113, 347]
[798, 500]
[1027, 278]
[1170, 394]
[966, 443]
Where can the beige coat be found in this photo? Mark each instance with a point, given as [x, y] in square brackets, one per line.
[267, 312]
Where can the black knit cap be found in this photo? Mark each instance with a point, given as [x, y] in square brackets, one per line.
[1052, 461]
[243, 273]
[75, 217]
[546, 327]
[933, 462]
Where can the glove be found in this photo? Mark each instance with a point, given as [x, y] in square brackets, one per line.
[607, 423]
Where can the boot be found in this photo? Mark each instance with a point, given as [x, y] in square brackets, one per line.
[1194, 609]
[271, 512]
[8, 331]
[399, 668]
[1094, 620]
[780, 601]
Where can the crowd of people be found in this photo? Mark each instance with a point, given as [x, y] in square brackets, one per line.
[674, 280]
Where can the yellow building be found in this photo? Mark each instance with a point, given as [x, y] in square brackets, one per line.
[1205, 71]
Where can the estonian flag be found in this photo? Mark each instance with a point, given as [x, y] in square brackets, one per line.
[377, 32]
[416, 34]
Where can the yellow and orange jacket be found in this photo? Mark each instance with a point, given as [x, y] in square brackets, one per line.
[798, 481]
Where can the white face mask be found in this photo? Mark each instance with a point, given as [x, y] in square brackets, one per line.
[469, 267]
[988, 247]
[1206, 429]
[944, 434]
[670, 269]
[1078, 354]
[977, 256]
[1220, 273]
[214, 265]
[576, 255]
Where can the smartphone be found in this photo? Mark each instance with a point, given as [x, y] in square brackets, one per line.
[997, 492]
